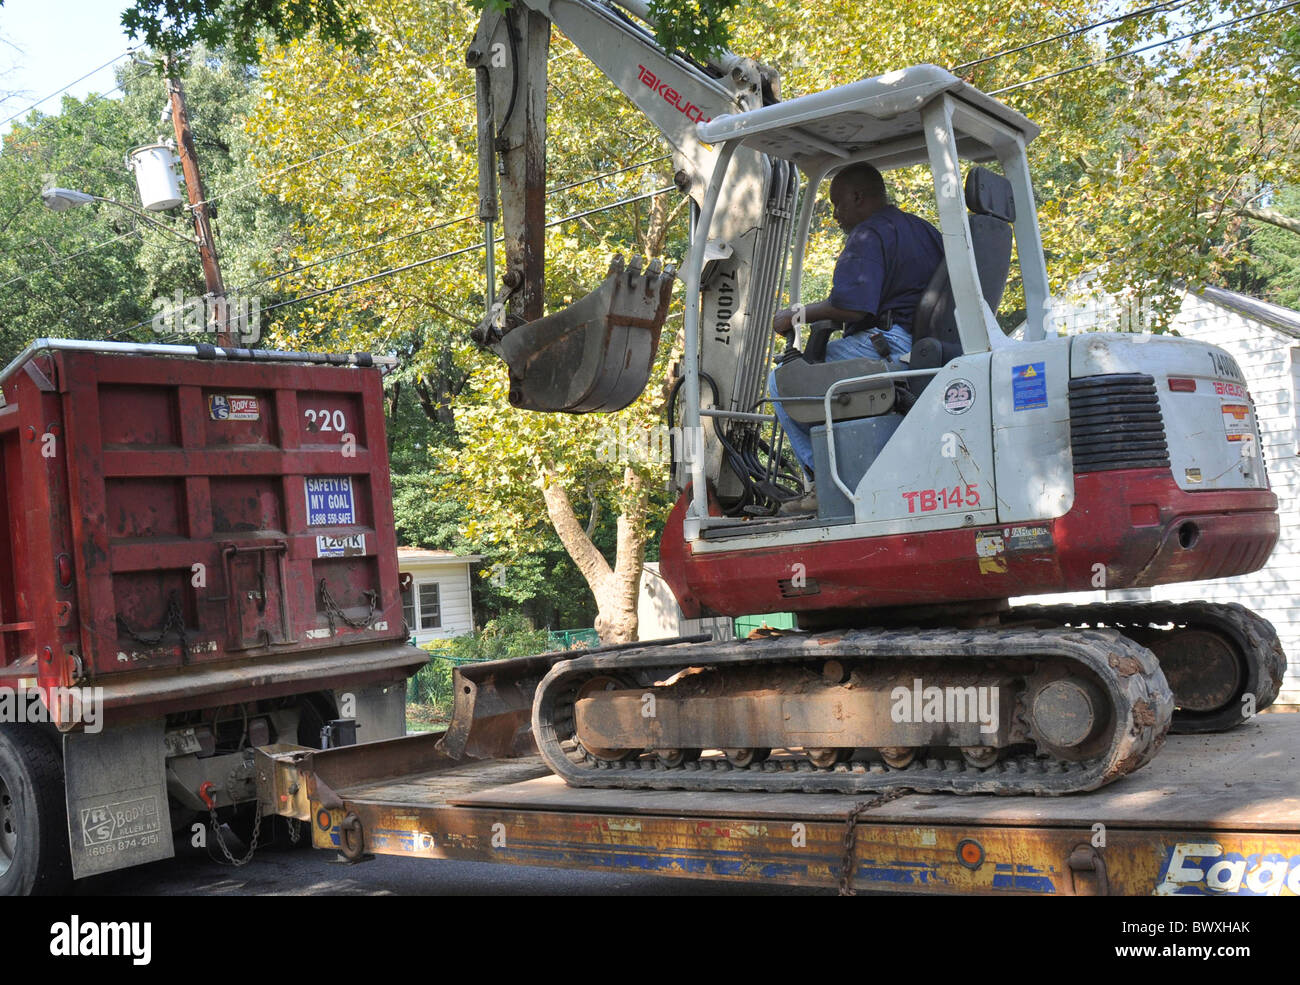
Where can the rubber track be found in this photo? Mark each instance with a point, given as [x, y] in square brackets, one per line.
[1253, 634]
[1129, 672]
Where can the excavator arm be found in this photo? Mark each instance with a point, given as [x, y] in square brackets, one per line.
[598, 353]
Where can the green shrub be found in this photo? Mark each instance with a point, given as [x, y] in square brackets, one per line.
[509, 636]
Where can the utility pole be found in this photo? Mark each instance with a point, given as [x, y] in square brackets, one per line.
[216, 288]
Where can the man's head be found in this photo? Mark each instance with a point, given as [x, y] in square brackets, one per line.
[856, 193]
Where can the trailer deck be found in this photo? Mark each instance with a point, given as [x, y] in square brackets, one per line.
[1216, 815]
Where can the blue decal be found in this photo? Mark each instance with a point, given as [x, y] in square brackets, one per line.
[1029, 386]
[329, 500]
[1011, 875]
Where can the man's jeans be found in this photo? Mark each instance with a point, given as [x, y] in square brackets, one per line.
[852, 347]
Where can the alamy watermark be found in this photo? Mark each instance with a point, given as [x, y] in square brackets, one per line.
[53, 705]
[945, 704]
[181, 315]
[652, 445]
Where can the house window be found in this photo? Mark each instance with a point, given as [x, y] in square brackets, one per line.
[408, 608]
[430, 608]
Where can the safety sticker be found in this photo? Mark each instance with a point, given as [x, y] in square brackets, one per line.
[1032, 538]
[1236, 422]
[233, 407]
[329, 500]
[349, 546]
[989, 548]
[959, 396]
[1029, 386]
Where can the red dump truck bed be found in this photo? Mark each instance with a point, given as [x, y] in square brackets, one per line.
[178, 528]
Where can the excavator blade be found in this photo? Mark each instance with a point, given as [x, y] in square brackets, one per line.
[595, 355]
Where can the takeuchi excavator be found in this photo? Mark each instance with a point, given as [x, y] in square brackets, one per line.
[994, 466]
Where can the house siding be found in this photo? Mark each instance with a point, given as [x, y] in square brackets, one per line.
[1270, 360]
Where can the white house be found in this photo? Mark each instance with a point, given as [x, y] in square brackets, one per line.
[1265, 340]
[436, 600]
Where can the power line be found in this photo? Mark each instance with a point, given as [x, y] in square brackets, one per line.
[84, 105]
[360, 140]
[405, 236]
[467, 249]
[1168, 5]
[1139, 50]
[442, 225]
[69, 85]
[60, 261]
[334, 150]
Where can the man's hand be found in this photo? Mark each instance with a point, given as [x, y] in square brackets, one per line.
[783, 322]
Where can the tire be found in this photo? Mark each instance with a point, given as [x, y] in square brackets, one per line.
[34, 858]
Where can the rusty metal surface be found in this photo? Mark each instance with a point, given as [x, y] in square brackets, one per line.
[930, 859]
[162, 692]
[1175, 829]
[157, 518]
[595, 355]
[1246, 780]
[493, 705]
[792, 707]
[493, 701]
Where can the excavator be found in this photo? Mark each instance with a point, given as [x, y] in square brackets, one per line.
[996, 465]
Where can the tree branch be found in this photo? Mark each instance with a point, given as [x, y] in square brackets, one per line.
[1270, 216]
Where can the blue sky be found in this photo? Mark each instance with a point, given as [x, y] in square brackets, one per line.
[56, 41]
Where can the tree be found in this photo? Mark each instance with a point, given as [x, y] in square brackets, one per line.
[390, 139]
[236, 25]
[1144, 168]
[99, 271]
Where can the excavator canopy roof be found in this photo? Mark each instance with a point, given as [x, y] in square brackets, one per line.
[876, 119]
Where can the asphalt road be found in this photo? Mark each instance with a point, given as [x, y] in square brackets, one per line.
[306, 872]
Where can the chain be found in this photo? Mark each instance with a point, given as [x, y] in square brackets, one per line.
[295, 831]
[216, 825]
[174, 621]
[332, 610]
[851, 834]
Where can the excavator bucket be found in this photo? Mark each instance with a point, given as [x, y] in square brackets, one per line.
[595, 355]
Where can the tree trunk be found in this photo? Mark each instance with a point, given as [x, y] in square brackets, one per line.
[616, 588]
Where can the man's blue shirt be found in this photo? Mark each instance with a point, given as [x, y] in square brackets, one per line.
[887, 261]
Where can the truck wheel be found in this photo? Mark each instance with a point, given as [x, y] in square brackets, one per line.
[33, 817]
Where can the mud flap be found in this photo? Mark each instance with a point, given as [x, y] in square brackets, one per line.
[595, 355]
[117, 798]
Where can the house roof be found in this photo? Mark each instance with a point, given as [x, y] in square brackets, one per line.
[1285, 320]
[425, 554]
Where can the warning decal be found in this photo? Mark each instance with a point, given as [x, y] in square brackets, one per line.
[1029, 386]
[1236, 422]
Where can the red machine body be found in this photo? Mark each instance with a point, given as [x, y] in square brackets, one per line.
[177, 530]
[1137, 524]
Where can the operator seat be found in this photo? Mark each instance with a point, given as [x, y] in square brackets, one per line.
[934, 323]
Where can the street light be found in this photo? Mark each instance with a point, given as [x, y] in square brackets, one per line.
[62, 199]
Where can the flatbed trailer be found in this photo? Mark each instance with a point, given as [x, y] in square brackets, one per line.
[1211, 815]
